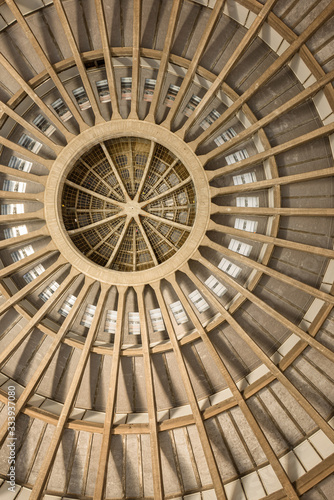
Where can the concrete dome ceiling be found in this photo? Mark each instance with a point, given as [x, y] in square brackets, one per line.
[192, 356]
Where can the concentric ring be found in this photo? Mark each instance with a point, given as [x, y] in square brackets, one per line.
[59, 177]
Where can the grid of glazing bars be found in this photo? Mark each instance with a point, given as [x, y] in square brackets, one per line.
[165, 222]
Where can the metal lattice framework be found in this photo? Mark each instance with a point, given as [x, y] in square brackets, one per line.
[166, 247]
[129, 204]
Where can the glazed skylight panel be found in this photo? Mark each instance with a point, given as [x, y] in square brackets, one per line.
[44, 125]
[169, 215]
[240, 247]
[61, 109]
[14, 232]
[126, 88]
[246, 178]
[178, 312]
[12, 209]
[247, 201]
[237, 156]
[134, 323]
[169, 202]
[110, 323]
[192, 104]
[48, 291]
[215, 285]
[82, 98]
[229, 268]
[226, 136]
[149, 87]
[157, 320]
[210, 119]
[246, 225]
[198, 301]
[22, 253]
[14, 186]
[103, 91]
[29, 143]
[19, 164]
[171, 95]
[88, 316]
[33, 273]
[67, 305]
[173, 179]
[181, 198]
[162, 187]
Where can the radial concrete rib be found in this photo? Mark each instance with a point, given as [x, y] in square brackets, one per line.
[119, 242]
[173, 19]
[35, 257]
[167, 192]
[83, 229]
[107, 58]
[277, 113]
[166, 240]
[150, 396]
[30, 128]
[293, 353]
[273, 313]
[134, 250]
[93, 172]
[314, 292]
[38, 316]
[111, 201]
[50, 455]
[147, 241]
[204, 438]
[313, 477]
[259, 434]
[36, 99]
[164, 175]
[188, 79]
[313, 329]
[17, 196]
[169, 222]
[37, 376]
[325, 351]
[323, 131]
[272, 211]
[115, 171]
[25, 152]
[100, 483]
[27, 216]
[45, 61]
[27, 176]
[33, 235]
[313, 413]
[78, 61]
[262, 238]
[277, 181]
[268, 73]
[235, 57]
[101, 242]
[32, 286]
[145, 172]
[136, 34]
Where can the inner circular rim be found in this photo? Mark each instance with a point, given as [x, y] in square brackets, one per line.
[128, 204]
[116, 129]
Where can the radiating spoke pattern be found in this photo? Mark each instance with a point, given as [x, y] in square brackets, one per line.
[159, 191]
[166, 249]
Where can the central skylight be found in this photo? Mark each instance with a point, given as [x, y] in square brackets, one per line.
[128, 204]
